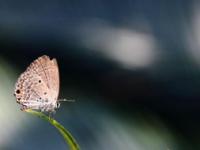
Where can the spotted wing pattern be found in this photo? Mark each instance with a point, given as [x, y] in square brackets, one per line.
[38, 87]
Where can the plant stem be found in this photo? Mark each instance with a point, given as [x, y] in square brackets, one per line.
[73, 145]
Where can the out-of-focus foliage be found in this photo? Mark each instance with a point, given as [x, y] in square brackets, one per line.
[132, 67]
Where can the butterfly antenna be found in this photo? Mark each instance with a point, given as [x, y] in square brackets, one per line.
[66, 100]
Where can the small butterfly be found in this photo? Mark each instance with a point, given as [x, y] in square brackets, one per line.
[38, 87]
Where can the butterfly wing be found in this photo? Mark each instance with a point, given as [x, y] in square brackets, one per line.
[29, 90]
[48, 70]
[38, 86]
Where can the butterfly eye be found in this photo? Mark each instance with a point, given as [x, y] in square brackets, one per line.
[57, 105]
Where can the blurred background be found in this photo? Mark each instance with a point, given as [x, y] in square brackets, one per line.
[132, 66]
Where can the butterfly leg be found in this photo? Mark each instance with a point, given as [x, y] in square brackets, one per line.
[51, 114]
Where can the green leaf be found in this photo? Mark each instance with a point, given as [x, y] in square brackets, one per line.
[73, 145]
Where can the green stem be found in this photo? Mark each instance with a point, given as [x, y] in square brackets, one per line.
[66, 134]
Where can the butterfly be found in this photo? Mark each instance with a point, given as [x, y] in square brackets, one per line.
[38, 86]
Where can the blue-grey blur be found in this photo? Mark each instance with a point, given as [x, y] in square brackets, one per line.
[132, 66]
